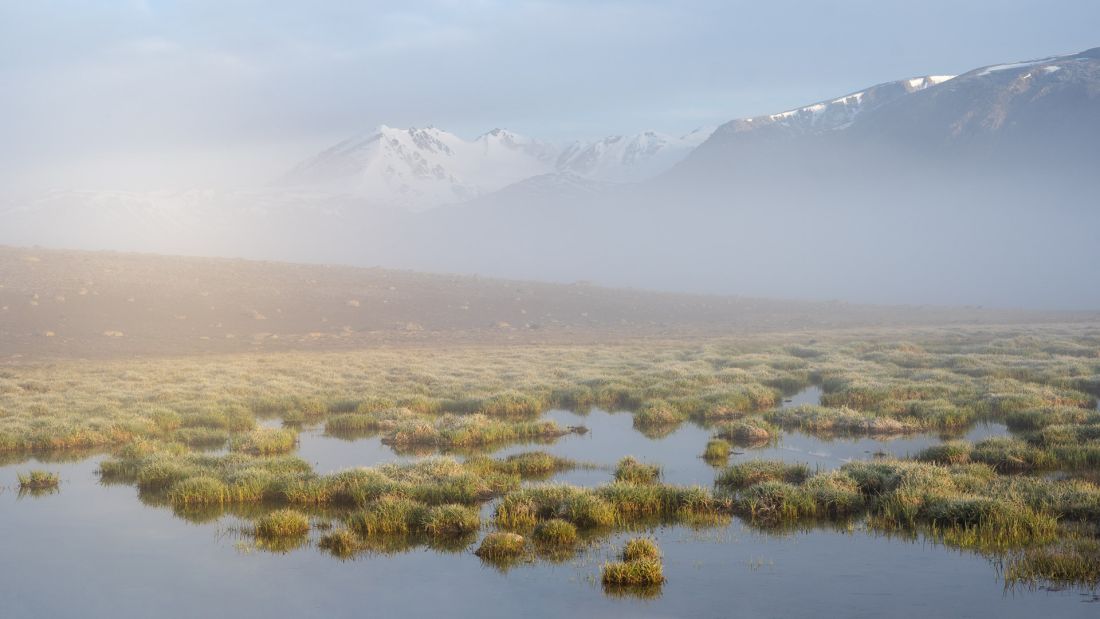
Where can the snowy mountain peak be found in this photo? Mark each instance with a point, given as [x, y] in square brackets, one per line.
[629, 158]
[420, 168]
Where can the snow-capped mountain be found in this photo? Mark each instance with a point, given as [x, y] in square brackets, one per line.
[834, 114]
[420, 169]
[620, 158]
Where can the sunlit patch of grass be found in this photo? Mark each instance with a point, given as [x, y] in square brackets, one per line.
[631, 471]
[501, 545]
[282, 523]
[747, 431]
[341, 543]
[448, 520]
[528, 465]
[267, 441]
[825, 420]
[745, 474]
[775, 501]
[656, 413]
[200, 490]
[633, 573]
[38, 480]
[641, 548]
[1074, 562]
[717, 452]
[451, 431]
[555, 532]
[641, 566]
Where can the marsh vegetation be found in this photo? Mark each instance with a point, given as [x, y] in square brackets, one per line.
[217, 437]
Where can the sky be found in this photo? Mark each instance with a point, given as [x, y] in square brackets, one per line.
[142, 95]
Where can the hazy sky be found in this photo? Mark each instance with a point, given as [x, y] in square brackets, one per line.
[150, 94]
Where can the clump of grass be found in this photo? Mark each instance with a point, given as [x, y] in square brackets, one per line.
[657, 413]
[717, 452]
[389, 516]
[640, 548]
[555, 532]
[745, 474]
[834, 494]
[38, 480]
[469, 430]
[1072, 562]
[525, 507]
[402, 516]
[528, 465]
[362, 423]
[201, 490]
[951, 452]
[450, 520]
[825, 420]
[643, 569]
[267, 441]
[633, 573]
[341, 543]
[631, 471]
[282, 523]
[501, 545]
[747, 431]
[775, 502]
[1010, 455]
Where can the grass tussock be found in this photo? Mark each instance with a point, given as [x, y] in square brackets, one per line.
[641, 566]
[641, 548]
[501, 545]
[631, 471]
[282, 523]
[555, 532]
[746, 474]
[267, 441]
[38, 481]
[747, 431]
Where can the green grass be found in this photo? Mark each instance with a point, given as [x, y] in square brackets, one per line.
[267, 441]
[745, 474]
[633, 573]
[555, 532]
[38, 480]
[825, 421]
[775, 502]
[155, 417]
[631, 471]
[528, 465]
[1069, 563]
[747, 431]
[641, 565]
[341, 543]
[717, 452]
[641, 548]
[282, 523]
[200, 490]
[500, 545]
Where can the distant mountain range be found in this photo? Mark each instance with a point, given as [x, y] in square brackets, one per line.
[424, 168]
[977, 188]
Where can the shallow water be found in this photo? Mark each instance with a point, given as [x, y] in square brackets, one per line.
[97, 551]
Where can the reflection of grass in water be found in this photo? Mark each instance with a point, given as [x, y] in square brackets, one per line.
[645, 592]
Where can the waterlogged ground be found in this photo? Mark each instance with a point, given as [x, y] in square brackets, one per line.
[93, 550]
